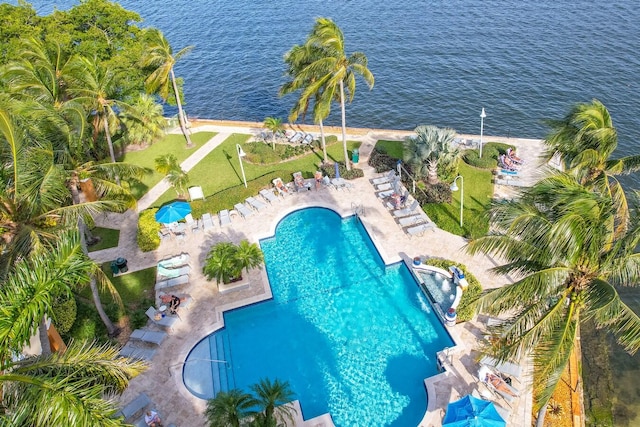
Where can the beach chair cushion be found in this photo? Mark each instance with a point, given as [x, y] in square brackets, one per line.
[411, 220]
[175, 261]
[195, 193]
[419, 229]
[169, 273]
[175, 281]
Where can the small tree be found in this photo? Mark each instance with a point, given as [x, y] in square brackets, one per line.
[167, 165]
[274, 124]
[226, 261]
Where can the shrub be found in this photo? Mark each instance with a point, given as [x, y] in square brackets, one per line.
[148, 229]
[437, 193]
[330, 171]
[381, 161]
[490, 153]
[64, 313]
[467, 308]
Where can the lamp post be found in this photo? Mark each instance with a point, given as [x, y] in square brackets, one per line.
[454, 187]
[482, 116]
[241, 154]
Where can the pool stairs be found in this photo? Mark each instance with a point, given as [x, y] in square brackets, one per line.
[215, 359]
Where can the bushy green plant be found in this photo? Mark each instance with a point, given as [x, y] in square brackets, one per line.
[467, 308]
[381, 161]
[330, 171]
[138, 317]
[64, 313]
[226, 261]
[148, 229]
[490, 153]
[437, 193]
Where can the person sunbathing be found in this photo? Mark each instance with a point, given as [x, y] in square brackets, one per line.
[318, 177]
[507, 163]
[499, 384]
[511, 154]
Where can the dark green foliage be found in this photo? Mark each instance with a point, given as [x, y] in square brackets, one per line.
[226, 261]
[148, 228]
[467, 307]
[138, 317]
[64, 313]
[381, 161]
[88, 325]
[438, 193]
[490, 153]
[330, 171]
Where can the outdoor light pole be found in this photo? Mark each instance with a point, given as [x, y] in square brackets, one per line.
[454, 187]
[241, 154]
[482, 116]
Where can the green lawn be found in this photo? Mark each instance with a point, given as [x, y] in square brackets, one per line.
[108, 238]
[170, 144]
[220, 176]
[391, 148]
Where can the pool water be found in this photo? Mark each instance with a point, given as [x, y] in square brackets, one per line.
[441, 288]
[353, 337]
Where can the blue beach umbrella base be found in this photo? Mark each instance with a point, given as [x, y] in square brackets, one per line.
[174, 211]
[471, 412]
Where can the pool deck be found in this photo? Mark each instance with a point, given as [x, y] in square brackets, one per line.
[162, 381]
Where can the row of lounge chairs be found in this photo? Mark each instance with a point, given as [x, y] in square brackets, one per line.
[299, 137]
[173, 272]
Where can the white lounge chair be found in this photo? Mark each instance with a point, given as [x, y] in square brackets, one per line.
[297, 137]
[507, 392]
[407, 211]
[244, 211]
[195, 193]
[175, 261]
[152, 337]
[411, 220]
[207, 221]
[383, 187]
[192, 223]
[131, 351]
[170, 273]
[281, 187]
[388, 177]
[385, 194]
[173, 282]
[166, 322]
[419, 230]
[511, 369]
[269, 196]
[255, 203]
[225, 218]
[308, 139]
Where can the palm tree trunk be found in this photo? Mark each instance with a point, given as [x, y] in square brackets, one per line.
[344, 126]
[324, 142]
[183, 125]
[105, 123]
[44, 338]
[541, 414]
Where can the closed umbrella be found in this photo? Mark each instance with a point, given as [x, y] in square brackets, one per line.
[337, 166]
[471, 412]
[174, 211]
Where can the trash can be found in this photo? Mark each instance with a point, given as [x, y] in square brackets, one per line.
[355, 155]
[121, 263]
[114, 268]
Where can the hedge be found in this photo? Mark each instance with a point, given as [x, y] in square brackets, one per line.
[148, 229]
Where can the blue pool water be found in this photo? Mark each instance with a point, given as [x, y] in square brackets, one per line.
[352, 336]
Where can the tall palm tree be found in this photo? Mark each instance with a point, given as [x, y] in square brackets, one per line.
[432, 146]
[560, 239]
[159, 55]
[334, 74]
[272, 398]
[143, 121]
[248, 255]
[586, 139]
[230, 408]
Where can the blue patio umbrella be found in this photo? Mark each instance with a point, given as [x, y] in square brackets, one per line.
[174, 211]
[337, 166]
[470, 412]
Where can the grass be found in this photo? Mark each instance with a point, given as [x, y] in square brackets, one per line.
[108, 238]
[392, 148]
[478, 192]
[170, 144]
[220, 176]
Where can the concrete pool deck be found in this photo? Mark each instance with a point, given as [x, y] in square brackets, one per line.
[163, 383]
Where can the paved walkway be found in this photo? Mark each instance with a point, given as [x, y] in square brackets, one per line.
[163, 382]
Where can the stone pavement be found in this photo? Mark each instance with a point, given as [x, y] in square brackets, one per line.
[163, 381]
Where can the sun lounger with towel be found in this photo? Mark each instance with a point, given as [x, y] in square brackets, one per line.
[151, 337]
[174, 262]
[255, 203]
[407, 211]
[225, 218]
[170, 273]
[165, 322]
[269, 196]
[207, 221]
[244, 211]
[195, 193]
[170, 283]
[131, 351]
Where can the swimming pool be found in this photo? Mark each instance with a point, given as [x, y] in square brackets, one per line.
[353, 337]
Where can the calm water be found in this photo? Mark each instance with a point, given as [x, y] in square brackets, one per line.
[353, 337]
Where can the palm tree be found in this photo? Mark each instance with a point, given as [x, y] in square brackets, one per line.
[274, 124]
[272, 398]
[560, 239]
[333, 76]
[229, 408]
[432, 146]
[586, 139]
[248, 255]
[159, 55]
[221, 263]
[179, 180]
[143, 121]
[166, 163]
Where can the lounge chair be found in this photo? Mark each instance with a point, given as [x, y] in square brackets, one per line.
[419, 230]
[135, 407]
[300, 183]
[195, 193]
[131, 351]
[508, 368]
[407, 211]
[225, 218]
[244, 211]
[175, 261]
[192, 223]
[297, 137]
[308, 139]
[151, 337]
[207, 221]
[170, 273]
[269, 196]
[385, 194]
[507, 392]
[388, 177]
[280, 187]
[384, 187]
[173, 282]
[411, 220]
[165, 322]
[255, 203]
